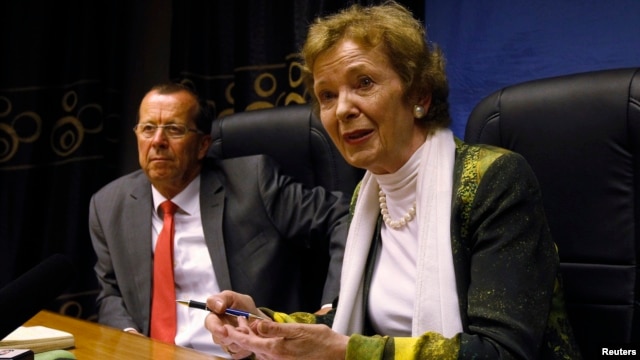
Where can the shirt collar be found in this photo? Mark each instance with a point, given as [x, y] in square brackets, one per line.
[187, 199]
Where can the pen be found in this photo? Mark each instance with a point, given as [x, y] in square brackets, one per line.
[228, 311]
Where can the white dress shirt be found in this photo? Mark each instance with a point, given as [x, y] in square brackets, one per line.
[193, 271]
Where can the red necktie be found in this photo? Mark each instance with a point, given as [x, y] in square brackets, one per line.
[163, 302]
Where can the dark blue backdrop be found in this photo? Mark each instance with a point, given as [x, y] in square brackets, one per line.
[490, 44]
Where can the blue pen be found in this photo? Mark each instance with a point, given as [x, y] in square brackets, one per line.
[228, 311]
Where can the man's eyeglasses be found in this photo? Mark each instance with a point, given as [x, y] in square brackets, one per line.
[173, 131]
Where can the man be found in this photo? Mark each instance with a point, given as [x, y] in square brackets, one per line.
[234, 227]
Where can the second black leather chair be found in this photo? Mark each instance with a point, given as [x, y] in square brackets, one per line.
[296, 140]
[581, 135]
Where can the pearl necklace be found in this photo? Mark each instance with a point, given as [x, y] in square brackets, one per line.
[394, 224]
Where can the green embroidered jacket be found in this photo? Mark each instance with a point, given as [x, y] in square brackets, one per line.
[505, 262]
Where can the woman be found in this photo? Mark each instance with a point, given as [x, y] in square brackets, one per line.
[448, 255]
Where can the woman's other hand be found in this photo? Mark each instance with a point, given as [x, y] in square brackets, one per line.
[271, 340]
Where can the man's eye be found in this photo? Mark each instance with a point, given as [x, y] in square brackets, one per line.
[173, 129]
[149, 128]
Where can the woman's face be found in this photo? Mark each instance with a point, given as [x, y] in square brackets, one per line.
[362, 107]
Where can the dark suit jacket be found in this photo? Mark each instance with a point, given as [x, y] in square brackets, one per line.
[267, 237]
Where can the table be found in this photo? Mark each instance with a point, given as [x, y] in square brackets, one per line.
[95, 341]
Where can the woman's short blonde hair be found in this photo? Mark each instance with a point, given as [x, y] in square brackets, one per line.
[402, 37]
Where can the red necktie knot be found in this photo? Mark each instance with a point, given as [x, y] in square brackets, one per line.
[168, 208]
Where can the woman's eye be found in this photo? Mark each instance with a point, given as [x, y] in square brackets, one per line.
[325, 96]
[365, 82]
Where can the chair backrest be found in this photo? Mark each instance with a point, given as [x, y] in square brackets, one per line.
[296, 140]
[581, 135]
[293, 137]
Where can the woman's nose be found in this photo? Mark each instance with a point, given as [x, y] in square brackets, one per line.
[346, 109]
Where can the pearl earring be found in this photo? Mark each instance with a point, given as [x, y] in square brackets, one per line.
[418, 111]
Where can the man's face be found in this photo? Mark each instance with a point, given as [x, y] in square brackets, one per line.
[170, 163]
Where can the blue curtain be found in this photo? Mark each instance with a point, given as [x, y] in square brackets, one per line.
[490, 44]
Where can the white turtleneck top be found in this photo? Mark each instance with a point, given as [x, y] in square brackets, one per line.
[392, 292]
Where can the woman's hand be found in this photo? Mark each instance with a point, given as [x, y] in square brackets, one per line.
[271, 340]
[219, 323]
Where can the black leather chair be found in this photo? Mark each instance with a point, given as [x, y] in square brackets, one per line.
[296, 140]
[292, 136]
[581, 135]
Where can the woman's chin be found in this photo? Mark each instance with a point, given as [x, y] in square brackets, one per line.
[360, 160]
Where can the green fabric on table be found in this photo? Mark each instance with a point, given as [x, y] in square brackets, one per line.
[54, 355]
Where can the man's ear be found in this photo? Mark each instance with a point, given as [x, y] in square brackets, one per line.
[205, 143]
